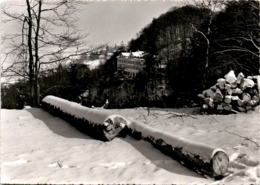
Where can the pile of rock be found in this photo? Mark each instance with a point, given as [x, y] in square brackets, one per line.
[232, 93]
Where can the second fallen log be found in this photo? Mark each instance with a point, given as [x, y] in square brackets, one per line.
[202, 158]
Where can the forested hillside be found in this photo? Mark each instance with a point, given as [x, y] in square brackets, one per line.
[196, 44]
[200, 46]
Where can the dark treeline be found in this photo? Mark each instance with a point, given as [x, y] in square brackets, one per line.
[175, 39]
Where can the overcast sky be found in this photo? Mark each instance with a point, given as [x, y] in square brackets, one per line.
[107, 22]
[114, 22]
[104, 22]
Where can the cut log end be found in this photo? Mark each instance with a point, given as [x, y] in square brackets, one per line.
[220, 163]
[113, 126]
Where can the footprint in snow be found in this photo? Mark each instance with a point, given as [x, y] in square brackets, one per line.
[59, 164]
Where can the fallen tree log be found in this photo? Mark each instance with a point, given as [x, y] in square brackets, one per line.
[201, 158]
[96, 123]
[99, 124]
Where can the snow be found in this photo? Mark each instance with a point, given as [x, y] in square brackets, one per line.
[79, 111]
[126, 54]
[188, 146]
[37, 147]
[138, 54]
[93, 64]
[231, 77]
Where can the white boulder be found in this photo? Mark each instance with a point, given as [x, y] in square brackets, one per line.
[247, 83]
[228, 99]
[240, 78]
[231, 77]
[221, 83]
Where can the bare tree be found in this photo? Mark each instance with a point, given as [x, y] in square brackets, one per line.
[212, 6]
[251, 37]
[232, 43]
[47, 36]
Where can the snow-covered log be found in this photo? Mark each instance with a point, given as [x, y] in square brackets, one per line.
[96, 123]
[202, 158]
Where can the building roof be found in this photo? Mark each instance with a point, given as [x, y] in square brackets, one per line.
[125, 54]
[137, 54]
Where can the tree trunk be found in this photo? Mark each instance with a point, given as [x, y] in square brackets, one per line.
[36, 48]
[36, 88]
[205, 75]
[32, 92]
[30, 49]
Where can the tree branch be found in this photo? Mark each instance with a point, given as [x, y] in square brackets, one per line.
[13, 16]
[200, 32]
[64, 58]
[240, 50]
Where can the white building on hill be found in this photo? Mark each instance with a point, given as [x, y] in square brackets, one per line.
[131, 62]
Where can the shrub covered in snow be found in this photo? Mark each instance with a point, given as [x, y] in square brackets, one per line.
[96, 123]
[232, 93]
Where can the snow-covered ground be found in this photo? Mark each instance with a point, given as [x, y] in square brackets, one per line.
[39, 148]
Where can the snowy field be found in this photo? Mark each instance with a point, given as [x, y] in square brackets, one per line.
[39, 148]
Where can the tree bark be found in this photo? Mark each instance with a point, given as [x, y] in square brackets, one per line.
[205, 74]
[37, 86]
[30, 50]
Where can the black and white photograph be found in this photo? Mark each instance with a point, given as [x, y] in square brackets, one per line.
[130, 92]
